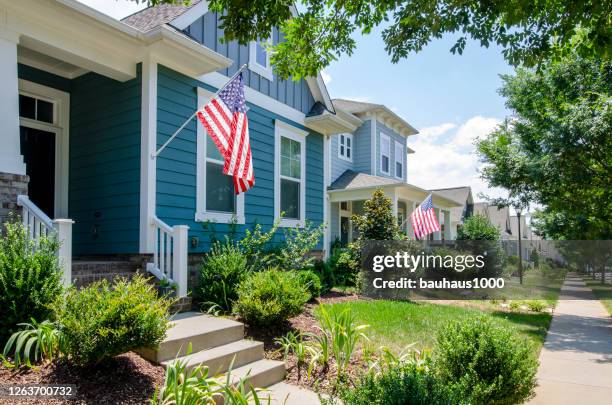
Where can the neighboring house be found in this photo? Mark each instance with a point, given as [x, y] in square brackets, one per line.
[374, 155]
[87, 99]
[458, 214]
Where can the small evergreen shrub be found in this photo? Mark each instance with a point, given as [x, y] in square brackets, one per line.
[221, 271]
[345, 265]
[30, 279]
[104, 320]
[486, 363]
[311, 281]
[325, 272]
[269, 297]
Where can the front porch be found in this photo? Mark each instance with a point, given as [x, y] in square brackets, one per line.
[347, 197]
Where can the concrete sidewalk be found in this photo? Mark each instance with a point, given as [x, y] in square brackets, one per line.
[576, 360]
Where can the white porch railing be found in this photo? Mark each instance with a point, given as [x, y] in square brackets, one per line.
[170, 254]
[38, 225]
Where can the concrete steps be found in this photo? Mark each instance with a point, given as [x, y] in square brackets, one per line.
[216, 343]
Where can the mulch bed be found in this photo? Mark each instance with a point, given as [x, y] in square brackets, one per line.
[125, 379]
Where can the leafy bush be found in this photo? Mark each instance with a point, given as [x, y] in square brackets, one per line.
[35, 342]
[269, 297]
[103, 320]
[294, 252]
[536, 305]
[409, 383]
[30, 279]
[311, 281]
[486, 363]
[221, 271]
[477, 227]
[323, 269]
[345, 265]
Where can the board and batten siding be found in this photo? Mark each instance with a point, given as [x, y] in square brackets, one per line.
[206, 31]
[395, 137]
[176, 165]
[104, 166]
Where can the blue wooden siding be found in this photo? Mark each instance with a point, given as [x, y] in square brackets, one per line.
[104, 167]
[176, 166]
[394, 136]
[363, 150]
[339, 165]
[104, 191]
[206, 31]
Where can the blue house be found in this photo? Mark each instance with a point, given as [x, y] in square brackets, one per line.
[87, 99]
[376, 155]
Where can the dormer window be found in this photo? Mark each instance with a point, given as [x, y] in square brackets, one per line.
[345, 147]
[259, 58]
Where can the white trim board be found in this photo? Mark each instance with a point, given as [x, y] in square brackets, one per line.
[188, 17]
[217, 80]
[61, 129]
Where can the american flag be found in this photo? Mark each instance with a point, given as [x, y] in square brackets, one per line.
[225, 120]
[424, 219]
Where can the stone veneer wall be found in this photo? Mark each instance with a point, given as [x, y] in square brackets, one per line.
[11, 185]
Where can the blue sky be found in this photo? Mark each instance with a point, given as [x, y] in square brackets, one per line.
[450, 99]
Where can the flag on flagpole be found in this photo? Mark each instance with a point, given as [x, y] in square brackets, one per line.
[225, 120]
[424, 219]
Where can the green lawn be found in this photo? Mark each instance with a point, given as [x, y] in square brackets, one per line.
[602, 291]
[397, 324]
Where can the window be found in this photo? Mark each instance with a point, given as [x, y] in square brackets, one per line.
[345, 147]
[399, 160]
[385, 153]
[259, 58]
[36, 109]
[215, 197]
[290, 174]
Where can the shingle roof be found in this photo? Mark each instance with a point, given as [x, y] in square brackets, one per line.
[499, 217]
[481, 208]
[459, 194]
[354, 107]
[351, 179]
[151, 17]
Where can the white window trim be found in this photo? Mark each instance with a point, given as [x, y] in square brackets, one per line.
[60, 127]
[386, 137]
[201, 214]
[289, 131]
[264, 71]
[341, 156]
[402, 160]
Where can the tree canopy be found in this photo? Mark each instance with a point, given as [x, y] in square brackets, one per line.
[317, 32]
[556, 146]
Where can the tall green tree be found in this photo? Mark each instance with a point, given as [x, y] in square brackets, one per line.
[318, 32]
[555, 148]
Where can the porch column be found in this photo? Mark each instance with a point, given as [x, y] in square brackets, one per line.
[437, 235]
[447, 226]
[410, 206]
[13, 179]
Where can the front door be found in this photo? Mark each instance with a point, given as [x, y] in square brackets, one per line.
[38, 150]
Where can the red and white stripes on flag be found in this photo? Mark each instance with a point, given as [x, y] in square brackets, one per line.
[225, 120]
[424, 219]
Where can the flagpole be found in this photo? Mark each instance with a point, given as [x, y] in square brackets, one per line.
[156, 153]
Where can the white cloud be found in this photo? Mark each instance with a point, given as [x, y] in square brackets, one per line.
[326, 77]
[445, 159]
[117, 9]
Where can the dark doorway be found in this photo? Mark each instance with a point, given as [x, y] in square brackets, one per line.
[38, 150]
[344, 230]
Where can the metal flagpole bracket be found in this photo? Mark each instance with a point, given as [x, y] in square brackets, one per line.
[156, 153]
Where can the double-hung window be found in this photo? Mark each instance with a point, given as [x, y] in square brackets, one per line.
[345, 147]
[399, 160]
[259, 58]
[216, 200]
[290, 176]
[385, 153]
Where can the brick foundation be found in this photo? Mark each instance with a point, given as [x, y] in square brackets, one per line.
[11, 185]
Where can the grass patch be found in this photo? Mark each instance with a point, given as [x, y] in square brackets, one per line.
[396, 324]
[603, 292]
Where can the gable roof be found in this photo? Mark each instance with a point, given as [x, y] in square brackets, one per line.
[154, 16]
[462, 195]
[380, 111]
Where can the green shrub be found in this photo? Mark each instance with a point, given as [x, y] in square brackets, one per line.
[221, 271]
[104, 320]
[487, 364]
[406, 384]
[311, 281]
[477, 227]
[30, 279]
[536, 305]
[345, 265]
[270, 297]
[325, 272]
